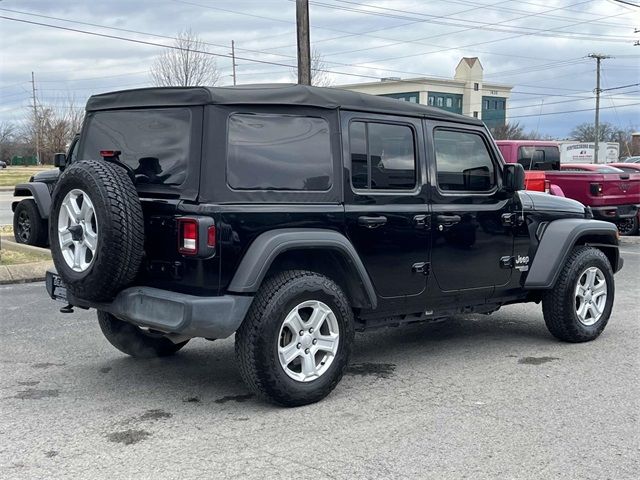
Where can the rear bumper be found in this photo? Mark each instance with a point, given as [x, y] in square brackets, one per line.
[171, 312]
[614, 212]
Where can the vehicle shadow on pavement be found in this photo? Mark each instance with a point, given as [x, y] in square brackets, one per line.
[207, 372]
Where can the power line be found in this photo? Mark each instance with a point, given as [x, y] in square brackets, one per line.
[479, 25]
[573, 111]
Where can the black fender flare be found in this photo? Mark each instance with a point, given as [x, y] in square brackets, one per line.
[559, 238]
[40, 193]
[265, 249]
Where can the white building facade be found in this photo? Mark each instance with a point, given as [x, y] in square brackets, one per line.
[467, 93]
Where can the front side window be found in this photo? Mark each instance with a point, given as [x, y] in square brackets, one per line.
[382, 156]
[463, 162]
[279, 152]
[155, 143]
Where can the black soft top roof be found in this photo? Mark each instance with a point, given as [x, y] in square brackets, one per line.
[267, 94]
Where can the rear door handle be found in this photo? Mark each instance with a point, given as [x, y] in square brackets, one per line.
[448, 220]
[372, 222]
[420, 221]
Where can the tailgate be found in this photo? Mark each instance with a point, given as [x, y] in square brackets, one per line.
[620, 189]
[164, 266]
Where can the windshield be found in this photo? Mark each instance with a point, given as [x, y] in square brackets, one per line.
[154, 143]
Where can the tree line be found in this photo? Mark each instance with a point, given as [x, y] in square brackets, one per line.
[585, 132]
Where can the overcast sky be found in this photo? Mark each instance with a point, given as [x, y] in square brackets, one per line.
[538, 46]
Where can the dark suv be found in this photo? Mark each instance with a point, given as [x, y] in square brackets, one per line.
[293, 216]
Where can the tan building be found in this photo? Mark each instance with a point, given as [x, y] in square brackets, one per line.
[467, 93]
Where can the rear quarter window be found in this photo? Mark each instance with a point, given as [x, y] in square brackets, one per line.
[155, 143]
[278, 152]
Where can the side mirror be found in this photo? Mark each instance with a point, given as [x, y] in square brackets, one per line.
[513, 177]
[60, 160]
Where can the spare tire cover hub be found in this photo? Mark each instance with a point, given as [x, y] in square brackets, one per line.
[78, 230]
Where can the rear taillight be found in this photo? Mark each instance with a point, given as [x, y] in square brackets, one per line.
[211, 236]
[595, 189]
[188, 236]
[547, 186]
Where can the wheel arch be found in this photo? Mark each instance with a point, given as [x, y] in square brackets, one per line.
[324, 251]
[40, 193]
[560, 237]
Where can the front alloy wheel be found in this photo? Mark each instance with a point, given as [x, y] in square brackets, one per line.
[578, 306]
[591, 296]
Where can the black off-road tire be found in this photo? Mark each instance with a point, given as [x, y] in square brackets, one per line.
[135, 341]
[257, 337]
[628, 226]
[559, 303]
[29, 227]
[120, 223]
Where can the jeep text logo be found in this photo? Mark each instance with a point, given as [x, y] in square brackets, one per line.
[522, 260]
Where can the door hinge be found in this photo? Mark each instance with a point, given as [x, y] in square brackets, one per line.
[421, 267]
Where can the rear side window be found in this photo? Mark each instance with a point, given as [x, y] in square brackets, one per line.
[278, 152]
[382, 156]
[154, 143]
[463, 162]
[539, 158]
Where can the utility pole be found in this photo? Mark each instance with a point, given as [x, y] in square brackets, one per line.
[304, 49]
[35, 117]
[599, 59]
[233, 60]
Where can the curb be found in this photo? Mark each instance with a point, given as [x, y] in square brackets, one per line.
[6, 188]
[25, 272]
[630, 240]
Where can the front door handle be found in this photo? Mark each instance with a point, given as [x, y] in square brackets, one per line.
[372, 222]
[448, 220]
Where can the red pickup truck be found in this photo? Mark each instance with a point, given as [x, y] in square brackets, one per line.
[612, 194]
[536, 156]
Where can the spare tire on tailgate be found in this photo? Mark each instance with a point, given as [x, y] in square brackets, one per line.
[96, 229]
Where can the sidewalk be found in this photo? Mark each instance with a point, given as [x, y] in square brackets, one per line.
[25, 272]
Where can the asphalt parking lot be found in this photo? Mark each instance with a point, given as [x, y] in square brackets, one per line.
[475, 397]
[6, 215]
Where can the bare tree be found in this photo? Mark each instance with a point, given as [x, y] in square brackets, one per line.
[7, 137]
[52, 126]
[185, 65]
[320, 77]
[509, 131]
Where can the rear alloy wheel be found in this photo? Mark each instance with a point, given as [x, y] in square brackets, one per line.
[295, 342]
[308, 341]
[28, 227]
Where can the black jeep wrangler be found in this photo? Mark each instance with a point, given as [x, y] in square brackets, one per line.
[293, 216]
[32, 202]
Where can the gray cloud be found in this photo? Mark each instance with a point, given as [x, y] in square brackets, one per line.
[398, 42]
